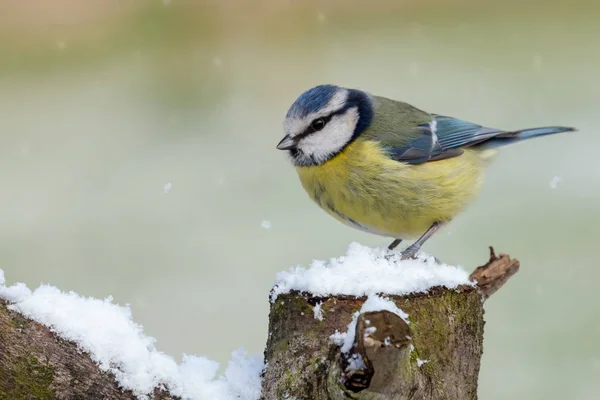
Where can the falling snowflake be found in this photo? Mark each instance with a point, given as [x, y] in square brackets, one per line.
[557, 180]
[265, 224]
[168, 187]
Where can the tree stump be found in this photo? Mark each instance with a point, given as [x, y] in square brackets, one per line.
[434, 356]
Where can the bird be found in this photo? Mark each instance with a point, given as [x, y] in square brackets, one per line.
[386, 167]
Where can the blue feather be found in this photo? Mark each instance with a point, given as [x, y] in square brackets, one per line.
[312, 100]
[455, 133]
[512, 137]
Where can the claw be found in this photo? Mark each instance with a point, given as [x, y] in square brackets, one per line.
[410, 253]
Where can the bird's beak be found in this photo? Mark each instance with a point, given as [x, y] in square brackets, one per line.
[286, 143]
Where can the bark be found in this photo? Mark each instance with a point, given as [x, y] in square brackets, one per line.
[436, 356]
[37, 364]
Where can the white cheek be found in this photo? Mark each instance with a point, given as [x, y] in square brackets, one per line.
[336, 134]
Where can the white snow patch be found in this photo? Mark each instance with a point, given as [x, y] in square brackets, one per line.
[370, 330]
[557, 180]
[318, 311]
[421, 362]
[355, 363]
[118, 344]
[365, 271]
[15, 293]
[167, 187]
[338, 338]
[373, 303]
[265, 224]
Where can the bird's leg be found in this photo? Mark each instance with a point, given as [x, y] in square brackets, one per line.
[394, 244]
[411, 251]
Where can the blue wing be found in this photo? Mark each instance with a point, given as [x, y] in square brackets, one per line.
[423, 146]
[455, 133]
[444, 137]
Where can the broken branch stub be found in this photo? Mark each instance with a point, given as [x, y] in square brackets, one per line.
[493, 275]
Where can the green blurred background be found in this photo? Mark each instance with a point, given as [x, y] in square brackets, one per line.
[137, 154]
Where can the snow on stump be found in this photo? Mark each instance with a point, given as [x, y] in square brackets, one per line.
[369, 326]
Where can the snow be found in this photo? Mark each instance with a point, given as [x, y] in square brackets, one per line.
[421, 362]
[557, 180]
[265, 224]
[373, 303]
[364, 271]
[107, 332]
[167, 187]
[371, 330]
[355, 362]
[338, 338]
[318, 311]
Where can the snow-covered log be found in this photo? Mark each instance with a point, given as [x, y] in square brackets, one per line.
[35, 363]
[423, 340]
[363, 326]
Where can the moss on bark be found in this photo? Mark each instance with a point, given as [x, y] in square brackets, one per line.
[446, 329]
[36, 364]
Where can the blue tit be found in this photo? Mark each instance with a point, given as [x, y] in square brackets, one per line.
[386, 167]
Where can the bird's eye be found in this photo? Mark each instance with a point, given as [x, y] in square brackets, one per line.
[318, 124]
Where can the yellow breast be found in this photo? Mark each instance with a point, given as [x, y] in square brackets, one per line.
[365, 189]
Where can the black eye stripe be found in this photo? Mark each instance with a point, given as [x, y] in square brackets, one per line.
[311, 129]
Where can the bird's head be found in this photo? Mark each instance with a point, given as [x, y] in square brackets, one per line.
[323, 121]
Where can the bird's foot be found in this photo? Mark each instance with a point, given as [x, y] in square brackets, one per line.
[410, 253]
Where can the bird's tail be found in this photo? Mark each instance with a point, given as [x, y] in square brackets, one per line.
[506, 138]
